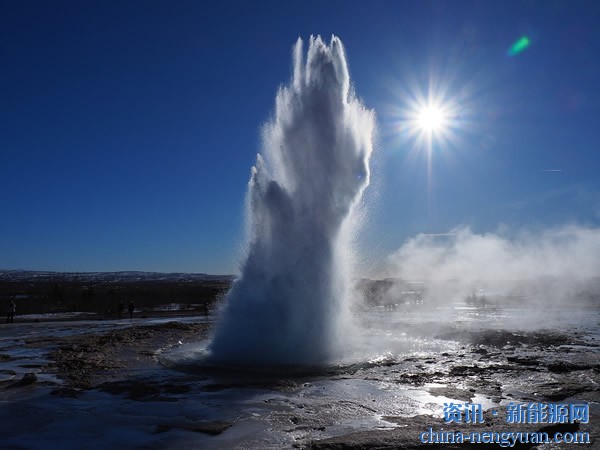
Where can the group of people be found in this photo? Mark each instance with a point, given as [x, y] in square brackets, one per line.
[11, 309]
[130, 308]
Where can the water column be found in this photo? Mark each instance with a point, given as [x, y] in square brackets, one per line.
[290, 304]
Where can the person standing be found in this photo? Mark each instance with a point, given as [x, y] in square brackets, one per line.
[10, 311]
[130, 308]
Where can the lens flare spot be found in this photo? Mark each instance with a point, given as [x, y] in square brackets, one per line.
[519, 46]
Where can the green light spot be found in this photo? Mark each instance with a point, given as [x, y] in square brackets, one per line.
[521, 44]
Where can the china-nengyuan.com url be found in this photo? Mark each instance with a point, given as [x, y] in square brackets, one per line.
[502, 438]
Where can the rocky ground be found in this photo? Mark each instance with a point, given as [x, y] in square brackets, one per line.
[504, 366]
[95, 361]
[499, 366]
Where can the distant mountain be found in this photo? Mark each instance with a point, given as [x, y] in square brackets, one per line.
[106, 277]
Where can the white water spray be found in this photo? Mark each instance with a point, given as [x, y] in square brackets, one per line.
[290, 305]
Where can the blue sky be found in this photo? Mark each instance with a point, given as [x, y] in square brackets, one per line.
[128, 129]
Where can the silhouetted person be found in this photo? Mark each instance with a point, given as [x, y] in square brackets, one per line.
[10, 311]
[131, 307]
[121, 308]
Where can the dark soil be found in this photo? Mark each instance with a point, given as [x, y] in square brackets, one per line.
[90, 360]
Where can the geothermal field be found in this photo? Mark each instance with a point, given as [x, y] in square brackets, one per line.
[475, 339]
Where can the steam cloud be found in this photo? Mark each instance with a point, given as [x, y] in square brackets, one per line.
[290, 305]
[562, 260]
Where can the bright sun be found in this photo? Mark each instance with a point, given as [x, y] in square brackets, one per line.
[431, 119]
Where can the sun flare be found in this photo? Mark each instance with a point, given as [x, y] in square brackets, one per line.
[431, 119]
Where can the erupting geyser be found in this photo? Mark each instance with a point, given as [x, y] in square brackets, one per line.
[290, 305]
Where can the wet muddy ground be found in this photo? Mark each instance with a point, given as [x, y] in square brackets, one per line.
[130, 385]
